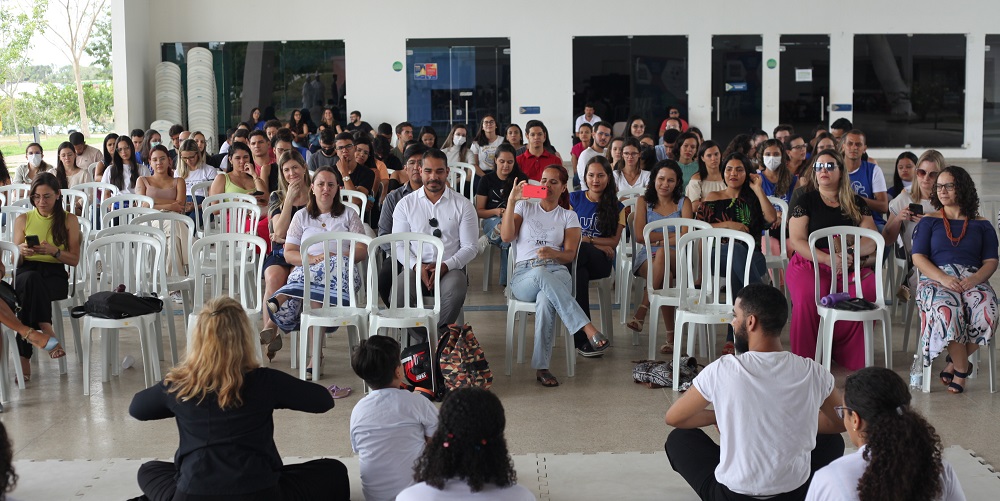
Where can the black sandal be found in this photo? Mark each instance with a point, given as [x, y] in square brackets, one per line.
[547, 379]
[947, 377]
[956, 388]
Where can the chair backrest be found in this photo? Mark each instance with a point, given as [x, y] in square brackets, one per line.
[232, 263]
[460, 176]
[711, 245]
[401, 250]
[200, 189]
[13, 192]
[179, 224]
[128, 259]
[231, 217]
[124, 216]
[679, 226]
[342, 272]
[357, 198]
[842, 237]
[73, 198]
[228, 197]
[631, 193]
[92, 169]
[7, 217]
[124, 200]
[10, 254]
[782, 207]
[145, 230]
[353, 206]
[989, 207]
[95, 194]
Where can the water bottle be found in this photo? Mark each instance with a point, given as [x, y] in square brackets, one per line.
[917, 372]
[127, 361]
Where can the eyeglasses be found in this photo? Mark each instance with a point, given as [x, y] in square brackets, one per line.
[820, 166]
[630, 153]
[345, 147]
[46, 197]
[189, 157]
[800, 147]
[944, 187]
[840, 410]
[434, 224]
[924, 173]
[489, 122]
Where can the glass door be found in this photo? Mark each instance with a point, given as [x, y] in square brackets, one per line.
[991, 100]
[457, 82]
[804, 81]
[736, 85]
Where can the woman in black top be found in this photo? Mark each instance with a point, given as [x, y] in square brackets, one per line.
[223, 403]
[491, 199]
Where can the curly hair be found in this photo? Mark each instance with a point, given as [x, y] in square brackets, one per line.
[8, 477]
[607, 206]
[651, 197]
[966, 196]
[468, 444]
[903, 450]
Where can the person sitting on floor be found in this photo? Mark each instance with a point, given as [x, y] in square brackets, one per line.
[766, 402]
[223, 402]
[390, 425]
[467, 457]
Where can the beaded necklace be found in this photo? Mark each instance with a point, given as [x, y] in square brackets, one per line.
[947, 229]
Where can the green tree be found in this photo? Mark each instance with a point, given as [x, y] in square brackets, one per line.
[99, 47]
[16, 31]
[71, 34]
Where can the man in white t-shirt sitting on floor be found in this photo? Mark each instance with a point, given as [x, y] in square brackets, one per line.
[766, 402]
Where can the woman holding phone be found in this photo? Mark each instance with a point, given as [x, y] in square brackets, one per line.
[910, 205]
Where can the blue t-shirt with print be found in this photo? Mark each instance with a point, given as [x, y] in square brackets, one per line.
[861, 183]
[587, 212]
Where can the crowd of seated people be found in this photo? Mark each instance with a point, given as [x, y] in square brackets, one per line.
[297, 171]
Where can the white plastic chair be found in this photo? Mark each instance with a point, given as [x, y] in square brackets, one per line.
[10, 254]
[629, 193]
[95, 194]
[232, 264]
[461, 176]
[517, 309]
[707, 305]
[670, 293]
[352, 315]
[180, 279]
[8, 214]
[407, 308]
[124, 200]
[623, 263]
[230, 217]
[123, 259]
[357, 198]
[13, 192]
[228, 197]
[778, 263]
[199, 189]
[119, 217]
[77, 292]
[72, 198]
[829, 316]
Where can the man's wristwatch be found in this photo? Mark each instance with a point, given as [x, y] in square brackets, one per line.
[347, 178]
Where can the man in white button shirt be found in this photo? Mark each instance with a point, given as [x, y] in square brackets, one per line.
[435, 209]
[768, 405]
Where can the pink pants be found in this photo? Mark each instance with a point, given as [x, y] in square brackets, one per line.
[848, 337]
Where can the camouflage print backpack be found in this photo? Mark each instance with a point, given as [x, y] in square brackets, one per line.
[462, 361]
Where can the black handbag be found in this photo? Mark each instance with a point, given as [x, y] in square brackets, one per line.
[117, 305]
[9, 296]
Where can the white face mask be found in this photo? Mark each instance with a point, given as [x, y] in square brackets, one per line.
[35, 159]
[459, 140]
[772, 163]
[154, 144]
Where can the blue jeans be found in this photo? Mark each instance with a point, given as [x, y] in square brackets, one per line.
[192, 199]
[549, 285]
[491, 228]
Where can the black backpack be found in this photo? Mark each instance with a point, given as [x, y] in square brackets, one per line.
[117, 305]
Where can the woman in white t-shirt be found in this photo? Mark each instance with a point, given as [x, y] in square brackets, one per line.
[457, 147]
[324, 213]
[546, 236]
[484, 145]
[467, 456]
[191, 167]
[902, 220]
[899, 452]
[628, 174]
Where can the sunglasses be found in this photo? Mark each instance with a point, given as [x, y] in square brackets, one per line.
[829, 166]
[434, 224]
[925, 172]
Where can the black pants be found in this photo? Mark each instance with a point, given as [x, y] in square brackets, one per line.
[592, 264]
[317, 479]
[695, 456]
[37, 285]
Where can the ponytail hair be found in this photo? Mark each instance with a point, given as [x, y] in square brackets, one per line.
[903, 450]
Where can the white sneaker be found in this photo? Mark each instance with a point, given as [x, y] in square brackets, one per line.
[177, 297]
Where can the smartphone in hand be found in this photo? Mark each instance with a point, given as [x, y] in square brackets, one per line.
[32, 240]
[916, 208]
[532, 191]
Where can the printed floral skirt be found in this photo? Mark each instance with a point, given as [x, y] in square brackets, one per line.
[287, 317]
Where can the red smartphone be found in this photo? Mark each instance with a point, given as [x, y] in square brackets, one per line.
[532, 191]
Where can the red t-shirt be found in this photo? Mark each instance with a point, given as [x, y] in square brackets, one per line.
[534, 166]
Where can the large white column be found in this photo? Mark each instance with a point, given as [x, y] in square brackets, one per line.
[129, 48]
[700, 102]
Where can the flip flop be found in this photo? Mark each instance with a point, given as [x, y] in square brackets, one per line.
[338, 392]
[547, 379]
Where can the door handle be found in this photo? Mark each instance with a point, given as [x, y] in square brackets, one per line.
[718, 109]
[822, 108]
[451, 113]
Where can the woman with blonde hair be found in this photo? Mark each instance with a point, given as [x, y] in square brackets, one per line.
[223, 402]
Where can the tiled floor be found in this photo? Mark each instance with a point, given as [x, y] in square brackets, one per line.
[599, 410]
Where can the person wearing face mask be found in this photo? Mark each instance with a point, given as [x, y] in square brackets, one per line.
[776, 179]
[327, 153]
[26, 173]
[457, 146]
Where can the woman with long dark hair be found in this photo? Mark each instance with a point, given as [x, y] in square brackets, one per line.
[515, 137]
[428, 136]
[299, 126]
[635, 127]
[664, 198]
[491, 199]
[255, 119]
[4, 173]
[602, 219]
[546, 235]
[484, 145]
[224, 403]
[899, 452]
[150, 140]
[122, 172]
[685, 152]
[709, 175]
[41, 274]
[902, 177]
[110, 143]
[467, 457]
[955, 250]
[68, 174]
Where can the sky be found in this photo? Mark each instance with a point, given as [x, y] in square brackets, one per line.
[44, 52]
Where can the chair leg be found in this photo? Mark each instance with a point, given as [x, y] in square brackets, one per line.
[993, 366]
[607, 313]
[887, 340]
[679, 323]
[85, 333]
[653, 324]
[293, 343]
[318, 337]
[172, 332]
[868, 327]
[303, 349]
[521, 335]
[570, 353]
[509, 331]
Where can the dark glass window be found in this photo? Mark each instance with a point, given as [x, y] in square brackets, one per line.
[623, 76]
[909, 90]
